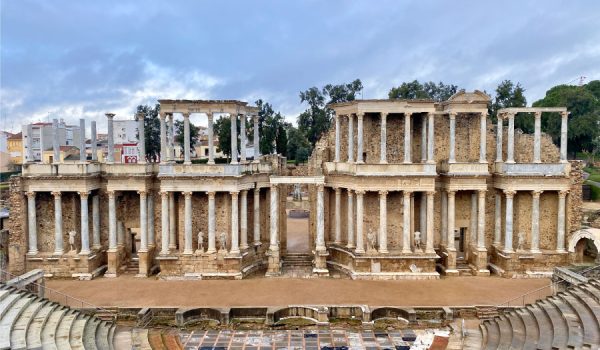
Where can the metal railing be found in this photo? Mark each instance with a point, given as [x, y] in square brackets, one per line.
[531, 297]
[583, 272]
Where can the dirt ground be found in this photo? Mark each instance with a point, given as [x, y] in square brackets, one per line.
[128, 291]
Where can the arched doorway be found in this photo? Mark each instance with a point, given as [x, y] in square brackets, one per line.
[584, 246]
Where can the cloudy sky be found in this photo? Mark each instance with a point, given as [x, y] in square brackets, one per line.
[69, 59]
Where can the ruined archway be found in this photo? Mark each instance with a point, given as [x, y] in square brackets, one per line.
[584, 243]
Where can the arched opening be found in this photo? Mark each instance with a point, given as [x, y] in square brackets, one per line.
[585, 251]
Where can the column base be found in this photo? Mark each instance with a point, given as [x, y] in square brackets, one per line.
[274, 265]
[210, 162]
[244, 247]
[350, 246]
[383, 162]
[56, 252]
[359, 251]
[32, 252]
[187, 163]
[561, 251]
[113, 263]
[85, 252]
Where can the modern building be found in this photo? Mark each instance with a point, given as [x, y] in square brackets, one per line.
[39, 137]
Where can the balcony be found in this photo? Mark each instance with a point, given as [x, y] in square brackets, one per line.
[213, 169]
[64, 169]
[399, 169]
[129, 169]
[463, 169]
[533, 169]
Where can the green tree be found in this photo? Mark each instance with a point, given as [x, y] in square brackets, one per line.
[428, 90]
[151, 130]
[179, 136]
[510, 95]
[298, 146]
[269, 123]
[222, 128]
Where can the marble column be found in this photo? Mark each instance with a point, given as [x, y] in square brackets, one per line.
[444, 214]
[58, 224]
[212, 223]
[473, 220]
[350, 220]
[560, 225]
[508, 230]
[244, 220]
[424, 138]
[510, 147]
[235, 223]
[452, 158]
[481, 220]
[274, 220]
[55, 142]
[151, 239]
[96, 222]
[407, 138]
[256, 216]
[320, 219]
[499, 123]
[164, 224]
[483, 138]
[172, 222]
[82, 153]
[498, 219]
[211, 151]
[360, 246]
[163, 138]
[535, 221]
[359, 138]
[112, 222]
[85, 229]
[429, 244]
[111, 139]
[29, 155]
[430, 139]
[186, 139]
[383, 144]
[143, 221]
[256, 142]
[243, 138]
[120, 234]
[451, 218]
[171, 140]
[537, 138]
[422, 214]
[337, 139]
[141, 138]
[337, 216]
[563, 137]
[406, 214]
[350, 138]
[187, 227]
[383, 222]
[234, 152]
[94, 141]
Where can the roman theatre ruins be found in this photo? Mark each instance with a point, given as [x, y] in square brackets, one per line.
[397, 189]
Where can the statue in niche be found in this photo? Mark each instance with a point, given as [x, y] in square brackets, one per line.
[520, 241]
[72, 235]
[371, 240]
[201, 241]
[223, 241]
[297, 193]
[417, 240]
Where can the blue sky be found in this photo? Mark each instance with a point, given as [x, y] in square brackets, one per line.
[72, 59]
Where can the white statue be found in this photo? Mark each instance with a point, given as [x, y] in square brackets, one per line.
[520, 241]
[371, 240]
[417, 240]
[72, 240]
[201, 241]
[223, 240]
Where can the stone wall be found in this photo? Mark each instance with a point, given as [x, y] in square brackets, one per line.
[17, 227]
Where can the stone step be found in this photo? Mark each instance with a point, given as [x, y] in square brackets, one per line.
[51, 328]
[102, 336]
[7, 303]
[543, 323]
[3, 294]
[111, 337]
[90, 333]
[155, 339]
[518, 330]
[589, 302]
[532, 333]
[139, 339]
[592, 291]
[76, 333]
[588, 321]
[573, 322]
[34, 334]
[11, 316]
[171, 341]
[493, 334]
[64, 330]
[505, 333]
[559, 325]
[18, 336]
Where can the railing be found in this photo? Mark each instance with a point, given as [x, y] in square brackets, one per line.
[376, 169]
[463, 168]
[65, 169]
[538, 169]
[583, 272]
[531, 296]
[571, 277]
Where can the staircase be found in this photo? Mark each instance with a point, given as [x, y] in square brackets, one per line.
[567, 320]
[132, 267]
[297, 265]
[155, 339]
[30, 322]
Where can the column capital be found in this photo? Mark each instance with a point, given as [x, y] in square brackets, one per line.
[56, 193]
[451, 192]
[337, 190]
[109, 115]
[360, 116]
[536, 193]
[407, 193]
[142, 192]
[170, 116]
[234, 194]
[510, 193]
[111, 194]
[452, 115]
[320, 187]
[243, 192]
[187, 194]
[500, 116]
[408, 114]
[162, 115]
[481, 193]
[350, 193]
[383, 115]
[84, 194]
[164, 194]
[383, 193]
[209, 115]
[255, 117]
[538, 115]
[186, 115]
[483, 115]
[211, 194]
[430, 193]
[139, 116]
[563, 193]
[510, 115]
[564, 115]
[273, 187]
[360, 192]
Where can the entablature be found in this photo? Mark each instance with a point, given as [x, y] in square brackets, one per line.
[532, 183]
[381, 184]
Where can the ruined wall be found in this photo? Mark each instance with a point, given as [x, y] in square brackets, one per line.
[17, 227]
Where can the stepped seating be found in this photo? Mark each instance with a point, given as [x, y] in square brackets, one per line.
[154, 339]
[30, 322]
[567, 320]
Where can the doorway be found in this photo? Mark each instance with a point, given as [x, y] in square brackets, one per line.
[585, 251]
[297, 217]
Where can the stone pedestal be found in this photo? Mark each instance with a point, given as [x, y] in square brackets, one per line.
[274, 265]
[320, 267]
[114, 263]
[145, 261]
[450, 268]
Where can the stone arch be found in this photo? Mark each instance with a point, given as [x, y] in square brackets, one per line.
[590, 233]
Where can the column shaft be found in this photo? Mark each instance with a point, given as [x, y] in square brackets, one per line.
[406, 213]
[360, 246]
[186, 139]
[473, 218]
[243, 138]
[96, 222]
[429, 243]
[143, 221]
[350, 223]
[337, 139]
[141, 139]
[320, 219]
[424, 138]
[85, 229]
[171, 140]
[274, 218]
[29, 155]
[452, 158]
[82, 154]
[430, 139]
[188, 247]
[151, 239]
[94, 141]
[481, 221]
[498, 219]
[112, 222]
[537, 138]
[211, 155]
[535, 221]
[499, 157]
[163, 139]
[383, 145]
[510, 153]
[560, 227]
[212, 223]
[451, 218]
[337, 223]
[444, 226]
[256, 216]
[172, 222]
[244, 220]
[423, 214]
[359, 138]
[164, 212]
[483, 138]
[55, 142]
[256, 138]
[508, 234]
[407, 136]
[563, 137]
[383, 222]
[234, 151]
[58, 224]
[235, 226]
[350, 138]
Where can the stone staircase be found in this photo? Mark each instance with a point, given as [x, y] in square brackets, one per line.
[297, 265]
[132, 267]
[30, 322]
[567, 320]
[155, 339]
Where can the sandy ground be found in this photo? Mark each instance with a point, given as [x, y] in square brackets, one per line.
[128, 291]
[297, 235]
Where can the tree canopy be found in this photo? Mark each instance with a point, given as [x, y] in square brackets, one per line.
[179, 137]
[151, 130]
[510, 95]
[428, 90]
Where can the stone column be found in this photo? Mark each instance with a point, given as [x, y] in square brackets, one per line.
[498, 219]
[535, 221]
[58, 224]
[563, 137]
[422, 214]
[444, 226]
[96, 222]
[407, 141]
[451, 218]
[234, 153]
[360, 246]
[537, 138]
[424, 138]
[406, 214]
[359, 138]
[85, 230]
[187, 226]
[243, 138]
[94, 142]
[473, 218]
[337, 139]
[452, 158]
[112, 222]
[211, 152]
[141, 138]
[171, 141]
[172, 222]
[350, 226]
[212, 223]
[111, 139]
[383, 145]
[483, 138]
[82, 154]
[29, 156]
[350, 138]
[430, 139]
[244, 220]
[186, 139]
[499, 138]
[235, 226]
[429, 243]
[383, 222]
[560, 226]
[257, 216]
[120, 234]
[143, 221]
[320, 219]
[151, 239]
[163, 138]
[510, 156]
[256, 139]
[274, 218]
[164, 224]
[55, 142]
[481, 220]
[508, 234]
[338, 219]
